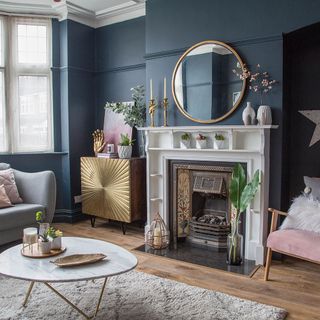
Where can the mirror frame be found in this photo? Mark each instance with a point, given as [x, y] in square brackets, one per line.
[180, 107]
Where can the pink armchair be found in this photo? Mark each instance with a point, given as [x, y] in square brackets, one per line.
[296, 243]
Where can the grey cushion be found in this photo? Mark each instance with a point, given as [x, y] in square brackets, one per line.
[4, 166]
[21, 214]
[314, 185]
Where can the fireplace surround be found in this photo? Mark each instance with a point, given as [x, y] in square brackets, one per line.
[248, 145]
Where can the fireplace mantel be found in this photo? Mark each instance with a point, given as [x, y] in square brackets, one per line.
[245, 144]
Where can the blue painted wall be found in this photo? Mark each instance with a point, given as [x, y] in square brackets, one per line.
[92, 66]
[119, 62]
[254, 29]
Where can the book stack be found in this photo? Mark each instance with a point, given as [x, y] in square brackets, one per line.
[108, 155]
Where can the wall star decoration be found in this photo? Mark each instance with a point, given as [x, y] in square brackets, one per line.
[314, 116]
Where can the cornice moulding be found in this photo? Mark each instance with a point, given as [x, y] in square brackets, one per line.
[130, 10]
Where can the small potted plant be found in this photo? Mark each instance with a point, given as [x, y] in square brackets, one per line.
[43, 226]
[218, 141]
[55, 236]
[201, 141]
[125, 146]
[44, 242]
[185, 141]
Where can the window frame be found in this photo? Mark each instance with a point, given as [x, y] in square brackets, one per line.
[12, 71]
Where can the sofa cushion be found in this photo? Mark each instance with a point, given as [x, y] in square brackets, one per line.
[7, 178]
[4, 166]
[4, 199]
[22, 214]
[300, 243]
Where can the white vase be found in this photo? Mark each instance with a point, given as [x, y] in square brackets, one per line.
[125, 152]
[264, 115]
[56, 243]
[44, 246]
[218, 144]
[184, 144]
[201, 144]
[248, 115]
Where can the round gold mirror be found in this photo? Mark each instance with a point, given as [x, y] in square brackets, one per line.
[204, 85]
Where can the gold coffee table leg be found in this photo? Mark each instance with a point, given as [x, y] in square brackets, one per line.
[101, 294]
[66, 300]
[28, 294]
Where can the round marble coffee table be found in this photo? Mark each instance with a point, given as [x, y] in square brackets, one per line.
[119, 260]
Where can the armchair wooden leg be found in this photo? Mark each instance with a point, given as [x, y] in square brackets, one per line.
[268, 263]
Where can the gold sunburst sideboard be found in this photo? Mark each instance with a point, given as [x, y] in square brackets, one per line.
[114, 188]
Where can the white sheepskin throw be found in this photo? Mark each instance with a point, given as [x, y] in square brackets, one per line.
[304, 214]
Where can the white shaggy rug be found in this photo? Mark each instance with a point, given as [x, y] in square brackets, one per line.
[134, 296]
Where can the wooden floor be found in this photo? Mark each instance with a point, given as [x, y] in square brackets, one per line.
[294, 285]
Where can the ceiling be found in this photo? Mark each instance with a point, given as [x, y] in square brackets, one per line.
[95, 13]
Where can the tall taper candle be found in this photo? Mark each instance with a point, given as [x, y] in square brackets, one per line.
[151, 93]
[164, 87]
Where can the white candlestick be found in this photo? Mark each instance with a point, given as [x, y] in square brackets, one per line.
[151, 93]
[164, 87]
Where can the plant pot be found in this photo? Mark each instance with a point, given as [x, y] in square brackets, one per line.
[56, 243]
[44, 247]
[235, 245]
[218, 144]
[184, 144]
[125, 152]
[43, 227]
[264, 116]
[201, 144]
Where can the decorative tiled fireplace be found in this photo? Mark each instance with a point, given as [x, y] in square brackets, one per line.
[248, 145]
[200, 207]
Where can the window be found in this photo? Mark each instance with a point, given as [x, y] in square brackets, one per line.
[25, 85]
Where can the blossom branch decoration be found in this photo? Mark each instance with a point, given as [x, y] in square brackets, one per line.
[260, 81]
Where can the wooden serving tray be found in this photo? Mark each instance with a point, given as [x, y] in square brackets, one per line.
[35, 253]
[78, 259]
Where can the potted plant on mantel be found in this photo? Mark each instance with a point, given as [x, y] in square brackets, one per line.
[241, 194]
[185, 141]
[218, 141]
[201, 141]
[125, 147]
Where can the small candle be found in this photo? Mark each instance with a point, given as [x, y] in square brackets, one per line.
[157, 237]
[164, 87]
[151, 93]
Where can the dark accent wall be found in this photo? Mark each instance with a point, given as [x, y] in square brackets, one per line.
[254, 29]
[92, 66]
[119, 62]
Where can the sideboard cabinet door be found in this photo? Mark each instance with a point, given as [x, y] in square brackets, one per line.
[114, 188]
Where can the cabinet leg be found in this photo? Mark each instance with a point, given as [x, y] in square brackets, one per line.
[93, 221]
[124, 227]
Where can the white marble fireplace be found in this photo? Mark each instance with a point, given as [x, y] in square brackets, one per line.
[244, 144]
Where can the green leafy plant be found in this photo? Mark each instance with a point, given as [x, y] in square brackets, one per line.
[54, 233]
[134, 114]
[45, 236]
[242, 193]
[186, 136]
[201, 137]
[39, 216]
[219, 137]
[125, 140]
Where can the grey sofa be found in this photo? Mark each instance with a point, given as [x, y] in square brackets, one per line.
[38, 192]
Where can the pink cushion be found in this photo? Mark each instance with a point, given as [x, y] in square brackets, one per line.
[4, 199]
[301, 243]
[9, 182]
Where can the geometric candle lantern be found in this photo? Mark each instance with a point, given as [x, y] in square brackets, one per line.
[158, 236]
